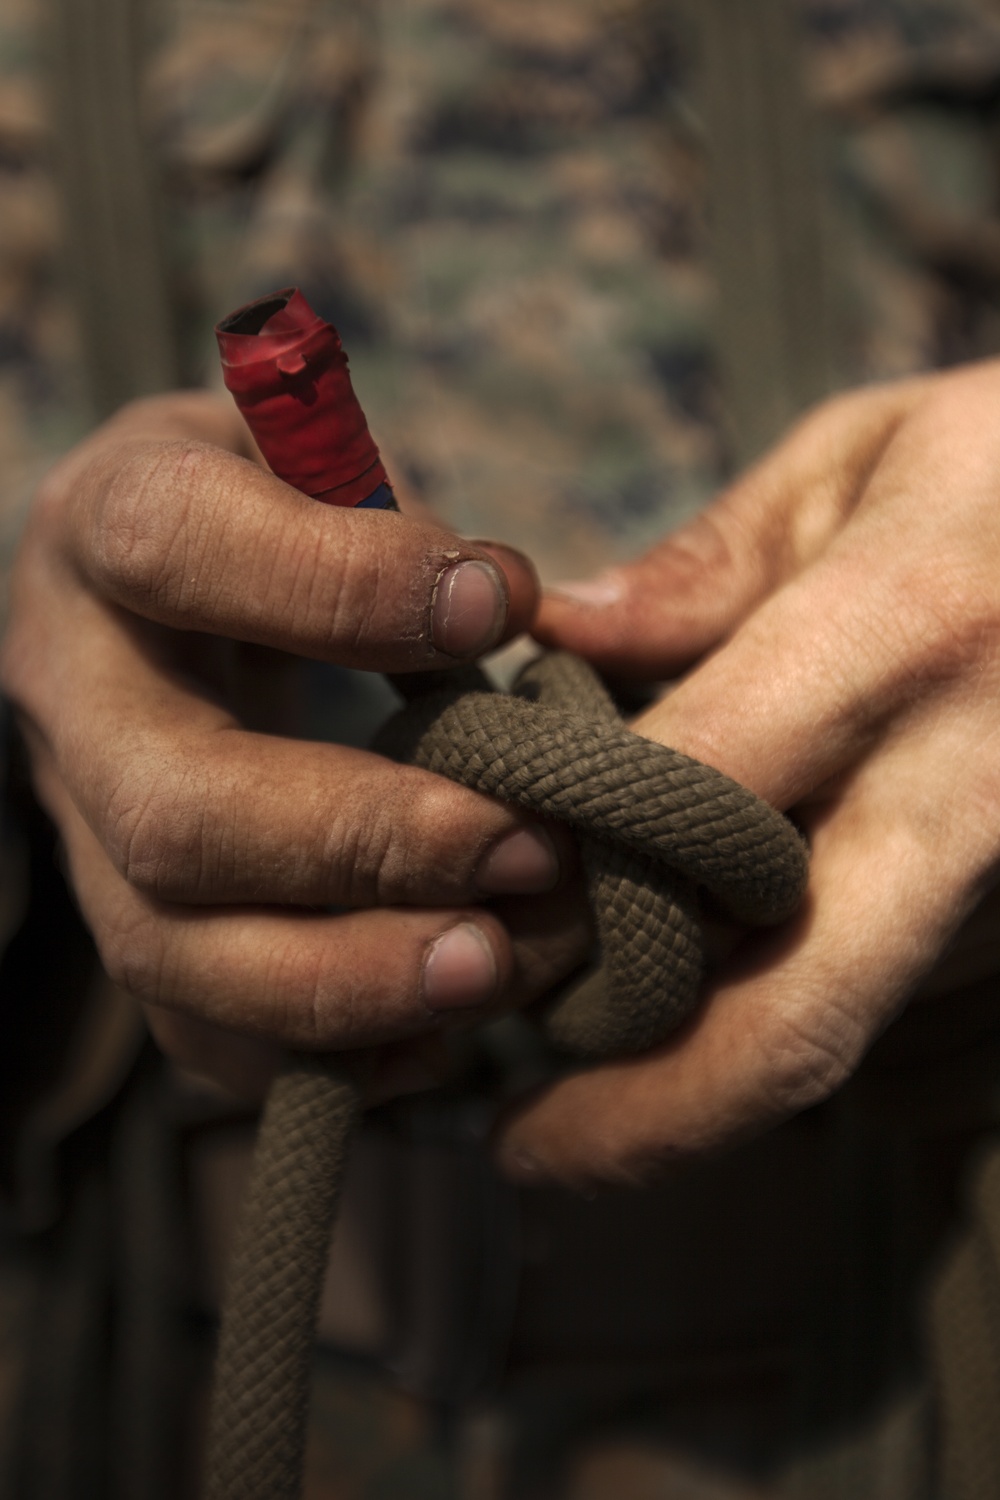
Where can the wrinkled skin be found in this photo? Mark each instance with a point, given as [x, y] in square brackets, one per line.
[835, 622]
[203, 853]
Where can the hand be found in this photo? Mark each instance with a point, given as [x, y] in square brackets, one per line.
[199, 850]
[837, 616]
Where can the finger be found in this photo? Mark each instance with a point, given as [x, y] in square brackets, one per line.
[306, 980]
[522, 585]
[295, 978]
[196, 538]
[192, 808]
[819, 673]
[792, 1017]
[653, 617]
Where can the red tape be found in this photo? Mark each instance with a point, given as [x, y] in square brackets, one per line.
[288, 374]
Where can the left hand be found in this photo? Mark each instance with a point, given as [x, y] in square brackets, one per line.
[206, 854]
[837, 613]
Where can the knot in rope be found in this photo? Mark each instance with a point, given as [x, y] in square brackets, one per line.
[657, 831]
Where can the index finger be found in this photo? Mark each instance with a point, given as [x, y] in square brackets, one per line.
[899, 606]
[194, 537]
[815, 676]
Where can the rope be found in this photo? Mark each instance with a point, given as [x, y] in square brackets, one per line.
[275, 1280]
[654, 828]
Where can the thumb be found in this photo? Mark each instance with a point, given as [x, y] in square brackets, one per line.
[653, 617]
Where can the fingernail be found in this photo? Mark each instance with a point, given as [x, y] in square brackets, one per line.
[524, 863]
[596, 593]
[469, 610]
[459, 970]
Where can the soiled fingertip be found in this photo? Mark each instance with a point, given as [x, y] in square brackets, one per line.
[469, 610]
[523, 863]
[460, 969]
[522, 584]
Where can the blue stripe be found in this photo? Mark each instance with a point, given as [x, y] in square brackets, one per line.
[380, 499]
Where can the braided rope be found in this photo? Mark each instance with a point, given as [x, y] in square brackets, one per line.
[257, 1445]
[653, 826]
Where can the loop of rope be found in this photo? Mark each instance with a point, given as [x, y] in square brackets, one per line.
[653, 826]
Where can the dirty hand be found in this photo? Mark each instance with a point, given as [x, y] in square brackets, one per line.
[204, 855]
[836, 616]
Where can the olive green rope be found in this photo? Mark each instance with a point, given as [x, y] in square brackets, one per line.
[654, 827]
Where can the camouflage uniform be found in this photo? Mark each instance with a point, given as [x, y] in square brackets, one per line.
[505, 207]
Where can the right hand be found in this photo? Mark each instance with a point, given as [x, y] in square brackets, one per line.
[831, 625]
[199, 851]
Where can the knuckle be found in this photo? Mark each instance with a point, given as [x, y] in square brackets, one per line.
[145, 524]
[739, 542]
[805, 1056]
[376, 864]
[131, 949]
[702, 545]
[155, 840]
[949, 616]
[359, 849]
[433, 854]
[404, 844]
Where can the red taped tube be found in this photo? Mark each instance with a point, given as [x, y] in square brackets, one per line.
[287, 372]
